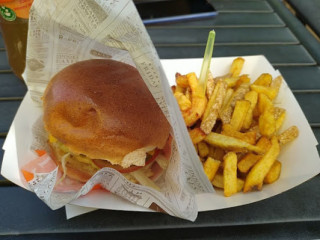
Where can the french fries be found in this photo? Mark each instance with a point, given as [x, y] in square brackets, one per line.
[255, 177]
[236, 67]
[249, 137]
[267, 122]
[199, 101]
[274, 173]
[252, 97]
[264, 79]
[238, 94]
[239, 114]
[247, 162]
[288, 135]
[183, 101]
[235, 127]
[213, 107]
[210, 167]
[219, 183]
[231, 143]
[203, 149]
[230, 174]
[196, 135]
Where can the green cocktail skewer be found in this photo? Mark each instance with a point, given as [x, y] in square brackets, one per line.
[206, 61]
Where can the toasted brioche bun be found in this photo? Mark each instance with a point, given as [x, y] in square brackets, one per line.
[104, 110]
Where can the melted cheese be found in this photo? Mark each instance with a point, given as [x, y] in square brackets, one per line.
[137, 158]
[52, 139]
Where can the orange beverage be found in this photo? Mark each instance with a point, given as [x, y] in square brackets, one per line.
[14, 15]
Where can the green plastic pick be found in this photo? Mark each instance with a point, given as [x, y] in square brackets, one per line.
[206, 61]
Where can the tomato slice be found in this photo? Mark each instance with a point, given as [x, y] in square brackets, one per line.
[103, 163]
[40, 152]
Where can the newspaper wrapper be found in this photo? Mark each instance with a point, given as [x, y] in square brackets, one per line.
[64, 32]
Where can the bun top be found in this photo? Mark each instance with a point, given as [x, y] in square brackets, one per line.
[104, 110]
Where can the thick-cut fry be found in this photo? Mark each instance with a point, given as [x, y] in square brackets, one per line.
[211, 167]
[239, 114]
[198, 103]
[279, 115]
[226, 111]
[274, 173]
[237, 81]
[182, 80]
[193, 82]
[196, 135]
[231, 81]
[194, 113]
[242, 79]
[213, 107]
[264, 79]
[210, 85]
[255, 128]
[218, 182]
[217, 95]
[240, 184]
[267, 122]
[264, 102]
[227, 98]
[203, 149]
[230, 143]
[188, 93]
[218, 153]
[276, 84]
[211, 151]
[255, 112]
[278, 112]
[183, 102]
[230, 174]
[252, 97]
[239, 93]
[249, 137]
[236, 66]
[288, 135]
[269, 91]
[255, 177]
[179, 89]
[264, 143]
[246, 163]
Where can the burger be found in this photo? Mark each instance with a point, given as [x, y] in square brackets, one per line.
[99, 113]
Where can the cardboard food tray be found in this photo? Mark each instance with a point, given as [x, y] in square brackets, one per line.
[300, 159]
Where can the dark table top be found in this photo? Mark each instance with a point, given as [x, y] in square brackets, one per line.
[308, 12]
[244, 27]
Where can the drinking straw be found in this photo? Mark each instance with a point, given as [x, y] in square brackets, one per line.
[206, 61]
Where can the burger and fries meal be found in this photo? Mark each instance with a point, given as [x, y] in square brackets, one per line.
[112, 120]
[235, 127]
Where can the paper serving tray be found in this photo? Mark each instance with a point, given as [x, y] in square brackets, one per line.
[300, 159]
